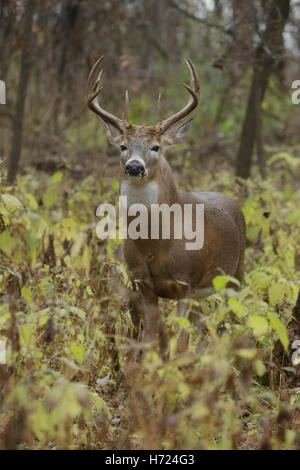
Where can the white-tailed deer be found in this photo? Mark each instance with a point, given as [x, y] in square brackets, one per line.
[163, 267]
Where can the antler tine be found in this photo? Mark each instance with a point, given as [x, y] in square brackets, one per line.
[93, 72]
[194, 90]
[159, 119]
[194, 79]
[94, 90]
[126, 111]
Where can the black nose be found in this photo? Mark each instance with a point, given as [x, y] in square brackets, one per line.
[134, 168]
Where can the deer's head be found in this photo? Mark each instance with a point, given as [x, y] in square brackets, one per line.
[142, 146]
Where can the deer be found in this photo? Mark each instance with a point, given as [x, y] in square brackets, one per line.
[163, 267]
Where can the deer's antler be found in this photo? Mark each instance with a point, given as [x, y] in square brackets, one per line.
[194, 90]
[94, 90]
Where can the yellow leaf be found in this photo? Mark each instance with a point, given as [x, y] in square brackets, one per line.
[237, 307]
[183, 322]
[26, 334]
[50, 197]
[259, 367]
[247, 353]
[258, 324]
[261, 280]
[220, 282]
[276, 293]
[26, 294]
[57, 177]
[32, 202]
[280, 329]
[11, 203]
[78, 351]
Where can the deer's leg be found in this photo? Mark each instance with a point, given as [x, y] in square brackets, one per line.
[182, 307]
[144, 306]
[239, 274]
[146, 309]
[150, 312]
[135, 313]
[184, 336]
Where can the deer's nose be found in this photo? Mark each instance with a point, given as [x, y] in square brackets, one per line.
[135, 168]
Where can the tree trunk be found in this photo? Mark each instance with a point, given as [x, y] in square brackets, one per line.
[218, 8]
[267, 58]
[243, 15]
[22, 90]
[6, 29]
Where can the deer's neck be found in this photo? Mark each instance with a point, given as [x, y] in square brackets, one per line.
[145, 193]
[159, 190]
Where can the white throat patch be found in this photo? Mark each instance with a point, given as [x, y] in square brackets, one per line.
[140, 193]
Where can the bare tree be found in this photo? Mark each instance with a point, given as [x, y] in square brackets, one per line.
[268, 56]
[22, 89]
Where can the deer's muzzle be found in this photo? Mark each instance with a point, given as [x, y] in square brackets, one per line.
[135, 168]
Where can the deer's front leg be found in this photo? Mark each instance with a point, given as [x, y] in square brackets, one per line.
[184, 336]
[150, 312]
[144, 307]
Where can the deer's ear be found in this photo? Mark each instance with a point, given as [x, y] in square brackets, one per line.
[113, 133]
[175, 133]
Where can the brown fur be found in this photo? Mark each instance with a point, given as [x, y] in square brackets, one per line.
[146, 132]
[158, 265]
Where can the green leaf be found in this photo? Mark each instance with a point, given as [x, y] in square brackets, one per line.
[247, 353]
[7, 243]
[26, 294]
[237, 307]
[31, 201]
[276, 293]
[57, 177]
[115, 184]
[26, 334]
[259, 367]
[183, 322]
[50, 197]
[258, 324]
[78, 351]
[219, 282]
[261, 280]
[280, 329]
[11, 203]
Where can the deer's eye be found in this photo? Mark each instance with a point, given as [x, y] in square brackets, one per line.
[123, 147]
[155, 148]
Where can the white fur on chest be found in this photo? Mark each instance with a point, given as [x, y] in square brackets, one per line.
[140, 193]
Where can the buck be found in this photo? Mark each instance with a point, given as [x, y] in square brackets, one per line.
[164, 267]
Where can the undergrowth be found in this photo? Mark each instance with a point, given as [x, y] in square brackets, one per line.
[70, 380]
